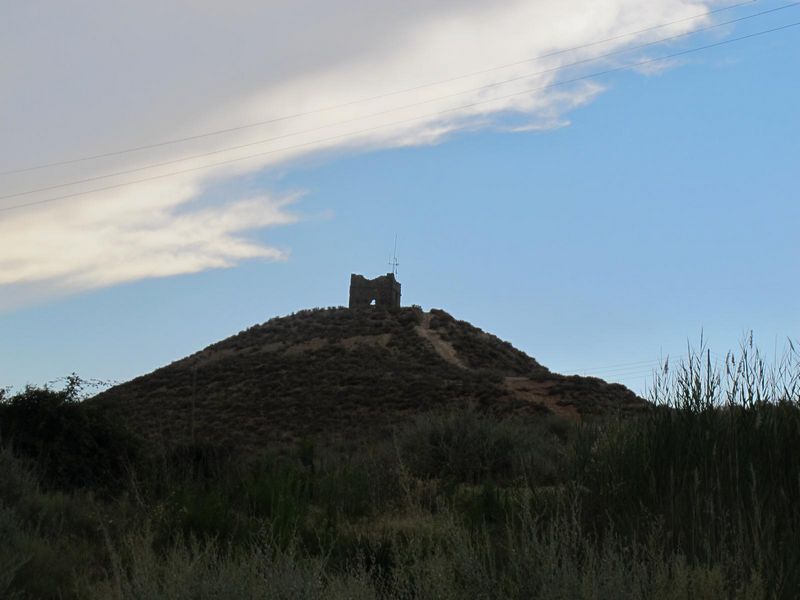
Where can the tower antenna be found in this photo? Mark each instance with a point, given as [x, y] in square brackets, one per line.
[394, 262]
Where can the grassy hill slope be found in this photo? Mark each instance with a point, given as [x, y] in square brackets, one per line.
[341, 375]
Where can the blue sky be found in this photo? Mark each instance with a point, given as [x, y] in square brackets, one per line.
[631, 217]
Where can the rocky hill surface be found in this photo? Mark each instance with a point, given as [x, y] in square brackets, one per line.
[341, 375]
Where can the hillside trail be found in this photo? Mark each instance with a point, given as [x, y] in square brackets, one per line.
[443, 348]
[523, 388]
[538, 392]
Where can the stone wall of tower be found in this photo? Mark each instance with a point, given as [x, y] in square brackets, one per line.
[382, 291]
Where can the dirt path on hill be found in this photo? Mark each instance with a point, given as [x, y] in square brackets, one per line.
[538, 392]
[443, 348]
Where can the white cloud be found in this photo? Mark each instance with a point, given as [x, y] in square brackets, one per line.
[89, 76]
[127, 241]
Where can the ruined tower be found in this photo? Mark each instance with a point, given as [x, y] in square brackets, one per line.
[382, 291]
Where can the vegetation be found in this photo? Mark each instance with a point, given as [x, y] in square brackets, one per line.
[73, 445]
[334, 375]
[697, 498]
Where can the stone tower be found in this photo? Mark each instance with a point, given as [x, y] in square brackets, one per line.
[382, 291]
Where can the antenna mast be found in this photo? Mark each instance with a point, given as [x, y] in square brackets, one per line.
[394, 262]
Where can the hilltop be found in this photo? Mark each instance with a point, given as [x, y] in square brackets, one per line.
[343, 375]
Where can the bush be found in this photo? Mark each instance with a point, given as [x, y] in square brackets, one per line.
[12, 550]
[73, 446]
[46, 537]
[470, 447]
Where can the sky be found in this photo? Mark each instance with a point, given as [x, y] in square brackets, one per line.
[599, 182]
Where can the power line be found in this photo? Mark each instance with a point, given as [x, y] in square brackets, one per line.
[653, 365]
[607, 367]
[391, 110]
[641, 367]
[627, 372]
[649, 366]
[370, 98]
[409, 120]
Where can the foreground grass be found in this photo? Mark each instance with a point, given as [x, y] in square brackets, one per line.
[698, 498]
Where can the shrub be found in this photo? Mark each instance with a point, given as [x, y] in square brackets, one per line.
[45, 537]
[470, 447]
[12, 550]
[72, 445]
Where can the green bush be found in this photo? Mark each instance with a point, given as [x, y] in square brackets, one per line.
[13, 555]
[47, 537]
[72, 445]
[470, 447]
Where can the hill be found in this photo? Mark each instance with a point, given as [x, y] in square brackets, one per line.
[342, 375]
